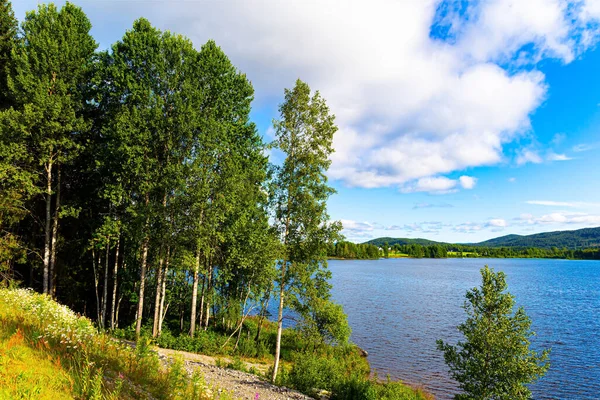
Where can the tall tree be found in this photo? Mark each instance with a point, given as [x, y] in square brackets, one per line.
[50, 67]
[8, 40]
[304, 134]
[494, 361]
[150, 97]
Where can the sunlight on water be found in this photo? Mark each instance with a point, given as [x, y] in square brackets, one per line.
[398, 308]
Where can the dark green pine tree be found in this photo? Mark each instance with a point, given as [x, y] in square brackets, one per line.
[494, 361]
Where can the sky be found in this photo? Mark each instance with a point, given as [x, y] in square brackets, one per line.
[458, 121]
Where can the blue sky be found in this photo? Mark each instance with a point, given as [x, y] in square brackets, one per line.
[459, 121]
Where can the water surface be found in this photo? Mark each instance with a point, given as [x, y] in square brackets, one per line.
[398, 308]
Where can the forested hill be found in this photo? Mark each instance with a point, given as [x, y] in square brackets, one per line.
[577, 239]
[581, 238]
[401, 241]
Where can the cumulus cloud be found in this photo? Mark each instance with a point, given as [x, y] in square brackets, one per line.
[439, 184]
[417, 94]
[497, 223]
[467, 182]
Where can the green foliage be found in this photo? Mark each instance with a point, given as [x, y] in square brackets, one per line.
[8, 40]
[304, 133]
[494, 361]
[358, 251]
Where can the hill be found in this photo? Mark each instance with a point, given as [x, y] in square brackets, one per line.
[576, 239]
[402, 241]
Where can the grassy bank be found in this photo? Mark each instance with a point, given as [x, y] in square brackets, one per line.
[307, 364]
[48, 352]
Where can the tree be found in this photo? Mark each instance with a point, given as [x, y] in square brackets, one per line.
[50, 66]
[495, 361]
[300, 192]
[8, 39]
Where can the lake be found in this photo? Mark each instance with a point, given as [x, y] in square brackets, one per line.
[398, 308]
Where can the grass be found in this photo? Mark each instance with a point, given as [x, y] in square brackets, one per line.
[47, 351]
[305, 366]
[393, 254]
[462, 254]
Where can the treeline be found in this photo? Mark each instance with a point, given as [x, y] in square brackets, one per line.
[356, 251]
[135, 188]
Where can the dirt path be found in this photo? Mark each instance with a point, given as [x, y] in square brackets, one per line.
[239, 384]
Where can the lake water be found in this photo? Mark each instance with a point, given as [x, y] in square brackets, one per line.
[398, 308]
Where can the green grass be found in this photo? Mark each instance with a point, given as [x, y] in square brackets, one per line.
[462, 254]
[393, 254]
[47, 351]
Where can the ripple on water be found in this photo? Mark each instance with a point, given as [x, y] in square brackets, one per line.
[398, 308]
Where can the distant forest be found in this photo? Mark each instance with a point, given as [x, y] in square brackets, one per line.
[578, 244]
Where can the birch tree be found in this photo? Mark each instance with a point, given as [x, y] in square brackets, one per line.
[304, 133]
[49, 65]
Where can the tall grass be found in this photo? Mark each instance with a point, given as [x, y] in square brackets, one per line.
[47, 351]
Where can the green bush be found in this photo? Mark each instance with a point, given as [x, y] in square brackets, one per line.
[311, 372]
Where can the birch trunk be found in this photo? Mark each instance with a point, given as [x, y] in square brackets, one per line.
[162, 311]
[159, 277]
[52, 272]
[194, 295]
[117, 312]
[279, 321]
[114, 293]
[47, 227]
[140, 308]
[105, 288]
[202, 301]
[208, 290]
[96, 284]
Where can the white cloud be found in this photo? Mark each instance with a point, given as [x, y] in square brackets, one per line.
[528, 156]
[584, 147]
[512, 179]
[435, 185]
[497, 223]
[561, 218]
[430, 205]
[468, 227]
[409, 106]
[355, 230]
[578, 204]
[439, 184]
[557, 157]
[467, 182]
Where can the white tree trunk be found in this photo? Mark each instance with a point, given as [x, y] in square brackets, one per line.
[208, 290]
[52, 272]
[47, 227]
[279, 322]
[140, 308]
[159, 277]
[114, 293]
[163, 311]
[105, 287]
[194, 295]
